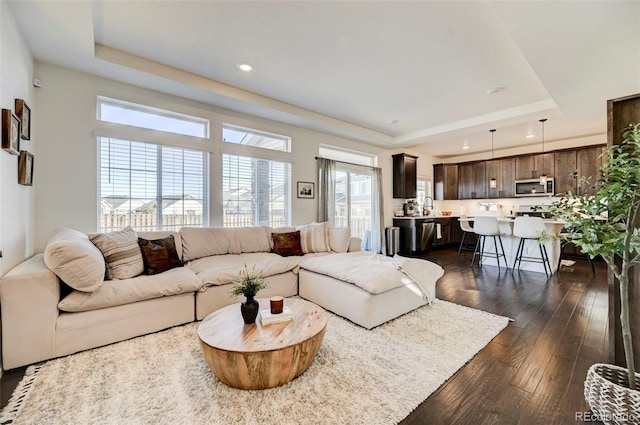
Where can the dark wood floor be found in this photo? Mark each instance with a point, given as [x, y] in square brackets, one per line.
[533, 372]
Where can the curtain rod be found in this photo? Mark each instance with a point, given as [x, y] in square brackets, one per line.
[350, 163]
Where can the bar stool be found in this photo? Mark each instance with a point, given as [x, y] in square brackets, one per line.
[467, 230]
[530, 228]
[483, 227]
[563, 244]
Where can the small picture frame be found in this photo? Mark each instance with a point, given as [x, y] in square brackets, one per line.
[25, 168]
[24, 115]
[10, 132]
[306, 190]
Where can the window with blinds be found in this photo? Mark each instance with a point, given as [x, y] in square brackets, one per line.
[151, 187]
[256, 192]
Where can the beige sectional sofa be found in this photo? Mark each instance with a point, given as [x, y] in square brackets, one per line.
[42, 318]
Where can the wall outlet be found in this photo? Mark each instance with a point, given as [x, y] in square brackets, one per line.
[37, 82]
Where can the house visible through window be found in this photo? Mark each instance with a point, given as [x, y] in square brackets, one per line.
[256, 192]
[151, 187]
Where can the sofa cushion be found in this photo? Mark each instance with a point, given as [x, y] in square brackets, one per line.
[161, 234]
[224, 269]
[272, 230]
[121, 253]
[118, 292]
[287, 244]
[339, 239]
[200, 242]
[314, 237]
[75, 260]
[248, 239]
[159, 255]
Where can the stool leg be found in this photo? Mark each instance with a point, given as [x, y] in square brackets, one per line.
[521, 254]
[546, 258]
[475, 251]
[503, 254]
[560, 257]
[464, 235]
[593, 269]
[484, 241]
[543, 258]
[518, 253]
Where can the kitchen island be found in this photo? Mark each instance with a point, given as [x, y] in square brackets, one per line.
[419, 234]
[510, 243]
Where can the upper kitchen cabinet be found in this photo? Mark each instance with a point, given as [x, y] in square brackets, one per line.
[405, 175]
[503, 170]
[472, 180]
[531, 166]
[566, 166]
[571, 165]
[445, 179]
[589, 161]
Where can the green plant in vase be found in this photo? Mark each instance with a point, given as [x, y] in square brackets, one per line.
[605, 223]
[248, 284]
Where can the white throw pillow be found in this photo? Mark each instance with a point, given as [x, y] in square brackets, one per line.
[339, 239]
[198, 242]
[121, 253]
[75, 260]
[314, 237]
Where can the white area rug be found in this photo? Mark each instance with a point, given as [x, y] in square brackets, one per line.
[358, 377]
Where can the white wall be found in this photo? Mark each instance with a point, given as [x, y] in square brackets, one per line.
[66, 167]
[16, 201]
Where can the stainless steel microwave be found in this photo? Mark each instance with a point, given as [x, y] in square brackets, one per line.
[532, 187]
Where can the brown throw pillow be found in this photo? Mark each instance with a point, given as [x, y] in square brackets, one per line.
[159, 255]
[287, 244]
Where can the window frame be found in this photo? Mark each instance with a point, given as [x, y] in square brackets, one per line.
[239, 128]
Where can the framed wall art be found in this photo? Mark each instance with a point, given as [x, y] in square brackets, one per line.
[24, 115]
[25, 168]
[306, 190]
[10, 132]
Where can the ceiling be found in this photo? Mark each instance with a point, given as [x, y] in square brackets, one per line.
[355, 68]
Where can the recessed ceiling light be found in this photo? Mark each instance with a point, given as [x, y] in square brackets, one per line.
[495, 90]
[530, 136]
[391, 122]
[465, 146]
[246, 67]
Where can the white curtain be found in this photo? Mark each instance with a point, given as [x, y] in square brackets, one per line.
[326, 190]
[377, 212]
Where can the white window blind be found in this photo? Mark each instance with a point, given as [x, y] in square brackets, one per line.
[151, 187]
[256, 192]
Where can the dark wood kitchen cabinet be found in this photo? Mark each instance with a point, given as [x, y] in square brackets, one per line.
[472, 180]
[531, 166]
[588, 161]
[566, 166]
[445, 181]
[503, 170]
[571, 165]
[405, 174]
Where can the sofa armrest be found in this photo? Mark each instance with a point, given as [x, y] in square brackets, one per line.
[29, 296]
[355, 244]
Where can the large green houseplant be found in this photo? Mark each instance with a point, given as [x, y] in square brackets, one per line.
[604, 223]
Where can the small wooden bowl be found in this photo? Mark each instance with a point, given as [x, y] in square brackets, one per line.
[446, 213]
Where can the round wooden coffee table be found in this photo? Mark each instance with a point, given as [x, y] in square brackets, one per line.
[253, 357]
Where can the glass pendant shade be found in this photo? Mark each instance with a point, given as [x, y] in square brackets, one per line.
[493, 183]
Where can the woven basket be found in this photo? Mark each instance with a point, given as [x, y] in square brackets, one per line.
[607, 393]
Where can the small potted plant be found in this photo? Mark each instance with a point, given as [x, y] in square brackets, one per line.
[604, 224]
[248, 284]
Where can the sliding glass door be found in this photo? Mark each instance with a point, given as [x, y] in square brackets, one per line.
[354, 202]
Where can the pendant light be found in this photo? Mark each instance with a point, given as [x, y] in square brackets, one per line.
[493, 183]
[543, 176]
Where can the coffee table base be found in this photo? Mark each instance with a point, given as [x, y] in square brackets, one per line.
[264, 369]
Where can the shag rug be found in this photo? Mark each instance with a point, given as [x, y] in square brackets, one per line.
[358, 377]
